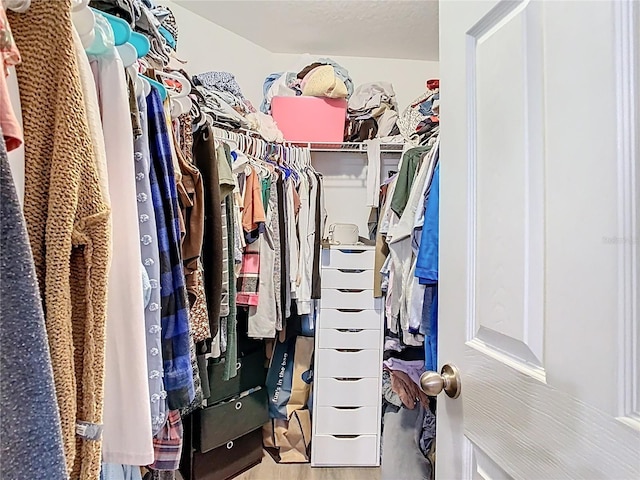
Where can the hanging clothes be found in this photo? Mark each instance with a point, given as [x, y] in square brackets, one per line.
[113, 471]
[191, 195]
[127, 431]
[320, 221]
[303, 278]
[27, 392]
[198, 314]
[411, 161]
[427, 265]
[191, 200]
[262, 321]
[92, 106]
[178, 373]
[9, 56]
[230, 366]
[253, 217]
[205, 159]
[248, 280]
[278, 261]
[150, 257]
[66, 218]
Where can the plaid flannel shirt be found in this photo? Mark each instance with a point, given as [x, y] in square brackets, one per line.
[178, 373]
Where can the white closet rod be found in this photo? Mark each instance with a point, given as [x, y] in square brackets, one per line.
[358, 147]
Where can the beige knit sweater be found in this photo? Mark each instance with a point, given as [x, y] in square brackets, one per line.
[67, 220]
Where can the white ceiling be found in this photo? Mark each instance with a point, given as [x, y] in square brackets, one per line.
[406, 29]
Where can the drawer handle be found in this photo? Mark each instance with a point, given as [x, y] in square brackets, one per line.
[350, 270]
[350, 310]
[345, 436]
[347, 408]
[344, 379]
[350, 290]
[349, 350]
[238, 405]
[350, 330]
[229, 445]
[349, 251]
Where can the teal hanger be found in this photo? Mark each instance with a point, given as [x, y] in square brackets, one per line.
[103, 37]
[141, 43]
[167, 36]
[121, 29]
[161, 88]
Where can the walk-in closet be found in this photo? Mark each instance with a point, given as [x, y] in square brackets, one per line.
[243, 240]
[220, 239]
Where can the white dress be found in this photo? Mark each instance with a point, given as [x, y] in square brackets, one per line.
[127, 437]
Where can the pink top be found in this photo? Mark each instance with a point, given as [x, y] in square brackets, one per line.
[9, 55]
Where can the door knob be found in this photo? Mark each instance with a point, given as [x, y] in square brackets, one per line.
[432, 383]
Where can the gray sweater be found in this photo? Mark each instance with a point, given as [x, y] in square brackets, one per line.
[30, 434]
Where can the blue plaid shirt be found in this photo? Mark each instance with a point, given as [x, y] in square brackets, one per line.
[178, 374]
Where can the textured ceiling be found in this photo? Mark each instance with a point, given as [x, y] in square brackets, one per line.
[374, 28]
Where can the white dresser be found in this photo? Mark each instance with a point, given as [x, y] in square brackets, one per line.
[348, 362]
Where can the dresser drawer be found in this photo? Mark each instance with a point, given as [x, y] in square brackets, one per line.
[251, 373]
[347, 278]
[229, 459]
[334, 318]
[354, 339]
[347, 421]
[353, 300]
[348, 258]
[360, 450]
[333, 392]
[346, 364]
[218, 424]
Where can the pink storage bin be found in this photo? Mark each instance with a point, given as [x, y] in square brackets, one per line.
[310, 119]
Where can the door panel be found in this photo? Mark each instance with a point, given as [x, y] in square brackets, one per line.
[534, 431]
[539, 281]
[484, 468]
[506, 179]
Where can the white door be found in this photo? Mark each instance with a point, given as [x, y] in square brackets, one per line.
[539, 239]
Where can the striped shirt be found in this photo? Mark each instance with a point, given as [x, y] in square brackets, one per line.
[178, 373]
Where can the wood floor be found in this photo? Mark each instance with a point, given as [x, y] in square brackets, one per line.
[270, 470]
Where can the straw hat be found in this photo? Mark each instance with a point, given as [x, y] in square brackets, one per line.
[322, 82]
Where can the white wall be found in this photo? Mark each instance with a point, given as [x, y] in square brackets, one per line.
[207, 46]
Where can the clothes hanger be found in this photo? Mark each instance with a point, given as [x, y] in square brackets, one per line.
[199, 119]
[167, 36]
[141, 86]
[18, 6]
[252, 148]
[159, 86]
[84, 22]
[185, 85]
[140, 43]
[128, 54]
[130, 45]
[121, 29]
[180, 101]
[146, 86]
[103, 36]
